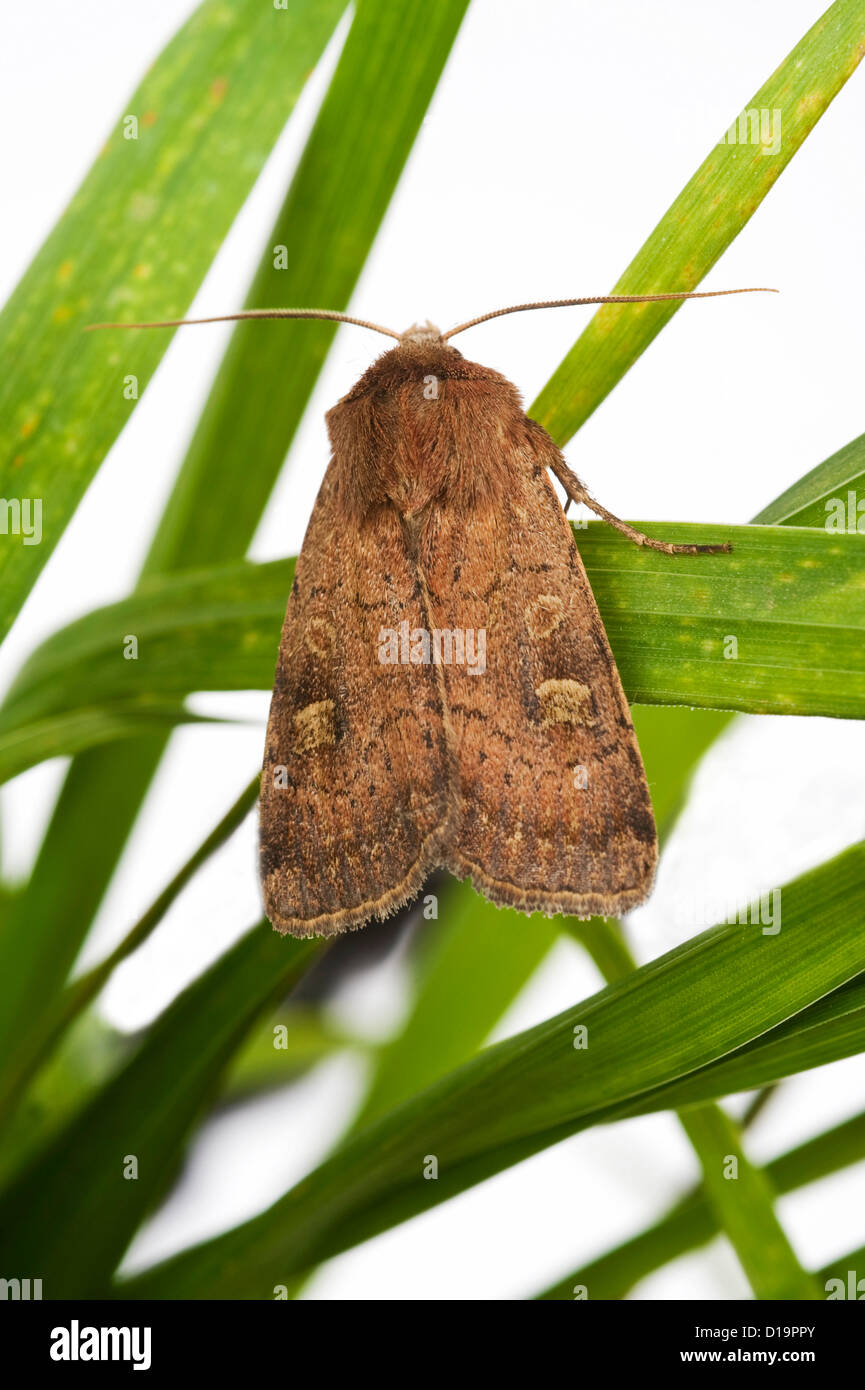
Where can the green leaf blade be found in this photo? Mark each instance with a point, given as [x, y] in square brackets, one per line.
[744, 1201]
[208, 112]
[706, 217]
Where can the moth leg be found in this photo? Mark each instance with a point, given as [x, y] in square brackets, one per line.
[577, 492]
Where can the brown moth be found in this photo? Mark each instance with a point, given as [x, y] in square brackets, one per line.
[445, 694]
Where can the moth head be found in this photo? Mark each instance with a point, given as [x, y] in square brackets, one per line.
[423, 333]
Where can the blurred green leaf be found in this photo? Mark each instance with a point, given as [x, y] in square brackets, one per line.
[62, 734]
[692, 1222]
[724, 988]
[282, 1047]
[743, 1200]
[848, 1269]
[31, 1026]
[145, 1112]
[478, 962]
[706, 217]
[672, 747]
[77, 1067]
[208, 112]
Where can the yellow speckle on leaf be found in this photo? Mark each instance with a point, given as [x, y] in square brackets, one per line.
[149, 118]
[64, 271]
[142, 206]
[218, 88]
[62, 314]
[142, 272]
[29, 426]
[810, 105]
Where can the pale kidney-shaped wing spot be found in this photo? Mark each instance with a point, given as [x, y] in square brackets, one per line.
[565, 702]
[315, 726]
[543, 615]
[320, 637]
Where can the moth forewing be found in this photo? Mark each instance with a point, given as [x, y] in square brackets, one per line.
[556, 810]
[355, 788]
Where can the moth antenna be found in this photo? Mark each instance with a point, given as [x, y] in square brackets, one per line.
[605, 299]
[255, 314]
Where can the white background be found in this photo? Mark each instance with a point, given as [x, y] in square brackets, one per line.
[537, 174]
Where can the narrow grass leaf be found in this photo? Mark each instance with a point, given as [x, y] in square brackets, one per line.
[832, 495]
[135, 243]
[742, 1196]
[706, 217]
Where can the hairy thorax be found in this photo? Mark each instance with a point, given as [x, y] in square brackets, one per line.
[422, 426]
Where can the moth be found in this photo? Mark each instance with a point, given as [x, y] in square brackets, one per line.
[445, 694]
